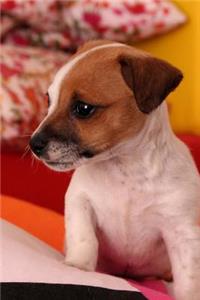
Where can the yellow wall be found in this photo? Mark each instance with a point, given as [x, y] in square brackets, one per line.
[181, 47]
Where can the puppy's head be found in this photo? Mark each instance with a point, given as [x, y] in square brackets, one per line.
[99, 99]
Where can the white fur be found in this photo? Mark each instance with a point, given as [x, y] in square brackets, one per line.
[139, 210]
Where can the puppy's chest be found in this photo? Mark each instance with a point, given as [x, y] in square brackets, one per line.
[125, 212]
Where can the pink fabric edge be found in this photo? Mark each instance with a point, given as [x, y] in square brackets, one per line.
[152, 289]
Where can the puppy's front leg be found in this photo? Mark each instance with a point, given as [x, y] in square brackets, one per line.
[81, 241]
[183, 244]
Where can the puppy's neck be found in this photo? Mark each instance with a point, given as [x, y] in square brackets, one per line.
[147, 154]
[157, 130]
[156, 135]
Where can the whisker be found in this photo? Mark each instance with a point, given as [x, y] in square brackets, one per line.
[25, 135]
[32, 161]
[27, 149]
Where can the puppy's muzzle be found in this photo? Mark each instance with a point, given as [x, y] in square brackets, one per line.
[58, 151]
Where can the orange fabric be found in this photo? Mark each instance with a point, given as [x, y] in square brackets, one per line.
[43, 223]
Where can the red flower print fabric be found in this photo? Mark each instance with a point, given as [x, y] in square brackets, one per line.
[26, 74]
[66, 24]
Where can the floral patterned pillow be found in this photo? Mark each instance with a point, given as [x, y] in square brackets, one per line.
[67, 23]
[122, 20]
[26, 74]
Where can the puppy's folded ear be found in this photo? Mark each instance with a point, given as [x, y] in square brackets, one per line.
[150, 79]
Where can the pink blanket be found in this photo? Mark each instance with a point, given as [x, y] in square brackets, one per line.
[30, 267]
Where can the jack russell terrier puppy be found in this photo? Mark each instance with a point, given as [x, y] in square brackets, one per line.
[133, 205]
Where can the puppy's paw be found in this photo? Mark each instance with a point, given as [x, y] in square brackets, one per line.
[87, 265]
[83, 256]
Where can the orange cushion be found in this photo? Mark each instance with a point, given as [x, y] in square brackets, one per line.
[43, 223]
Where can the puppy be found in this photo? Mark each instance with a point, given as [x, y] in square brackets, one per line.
[133, 205]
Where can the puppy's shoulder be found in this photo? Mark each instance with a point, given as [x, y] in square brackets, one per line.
[82, 180]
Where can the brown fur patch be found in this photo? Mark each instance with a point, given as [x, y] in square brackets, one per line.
[151, 79]
[95, 79]
[98, 80]
[167, 276]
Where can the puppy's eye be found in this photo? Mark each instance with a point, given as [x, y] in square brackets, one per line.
[83, 110]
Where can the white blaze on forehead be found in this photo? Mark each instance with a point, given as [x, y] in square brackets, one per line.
[54, 89]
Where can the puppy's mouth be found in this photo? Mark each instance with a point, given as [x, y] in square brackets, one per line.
[60, 166]
[63, 156]
[76, 160]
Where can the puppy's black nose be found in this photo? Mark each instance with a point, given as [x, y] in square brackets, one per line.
[38, 144]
